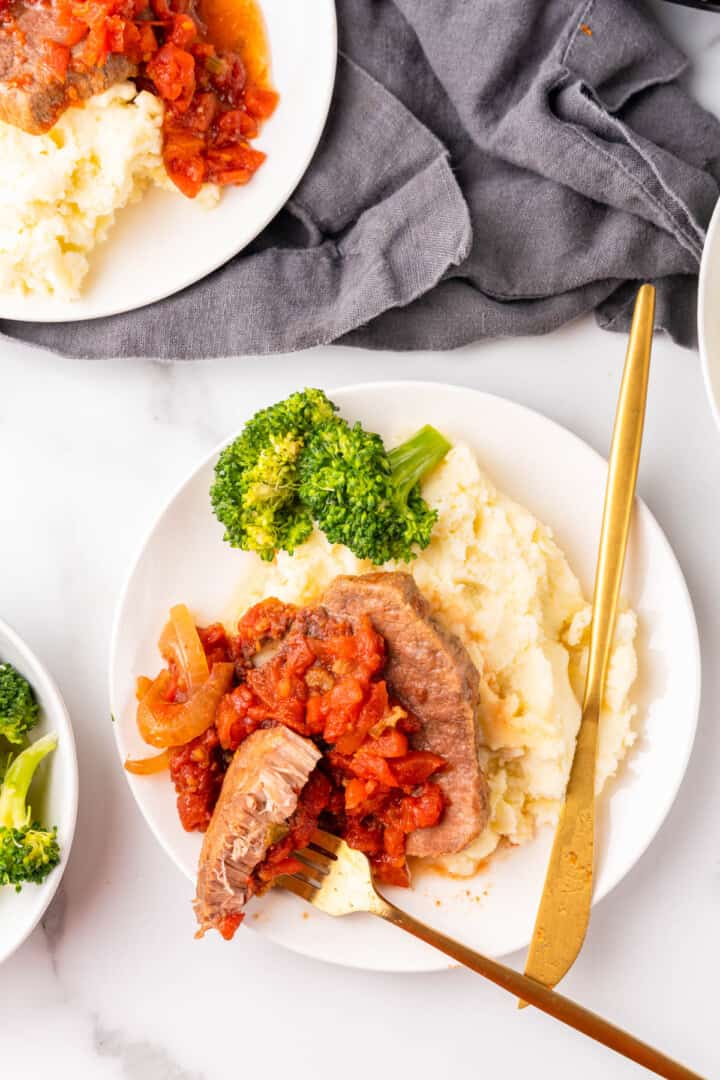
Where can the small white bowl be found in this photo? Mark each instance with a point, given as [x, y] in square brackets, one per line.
[709, 313]
[55, 797]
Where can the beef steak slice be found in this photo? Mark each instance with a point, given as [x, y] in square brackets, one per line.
[260, 790]
[432, 675]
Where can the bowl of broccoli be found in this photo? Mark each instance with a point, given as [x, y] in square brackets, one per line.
[38, 790]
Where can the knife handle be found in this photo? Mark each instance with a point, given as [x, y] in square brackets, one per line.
[619, 496]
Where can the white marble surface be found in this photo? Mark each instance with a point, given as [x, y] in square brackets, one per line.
[112, 984]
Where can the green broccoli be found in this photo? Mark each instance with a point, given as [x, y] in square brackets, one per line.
[368, 499]
[28, 852]
[256, 478]
[19, 711]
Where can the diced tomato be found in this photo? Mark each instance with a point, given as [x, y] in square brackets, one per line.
[197, 770]
[374, 708]
[183, 31]
[238, 159]
[391, 744]
[74, 30]
[229, 924]
[200, 113]
[123, 37]
[423, 810]
[260, 102]
[183, 156]
[270, 620]
[394, 837]
[282, 694]
[229, 80]
[416, 767]
[215, 643]
[369, 766]
[173, 72]
[148, 41]
[237, 124]
[364, 836]
[269, 870]
[342, 707]
[391, 870]
[95, 46]
[356, 792]
[239, 714]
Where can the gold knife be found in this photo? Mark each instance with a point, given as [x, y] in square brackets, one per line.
[564, 911]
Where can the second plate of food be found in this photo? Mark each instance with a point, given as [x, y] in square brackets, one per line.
[181, 140]
[506, 578]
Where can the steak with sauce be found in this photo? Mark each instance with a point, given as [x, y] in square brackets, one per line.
[433, 676]
[259, 794]
[33, 93]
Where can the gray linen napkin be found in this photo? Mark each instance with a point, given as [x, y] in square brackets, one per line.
[490, 167]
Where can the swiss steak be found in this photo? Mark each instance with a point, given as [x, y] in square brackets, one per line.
[433, 676]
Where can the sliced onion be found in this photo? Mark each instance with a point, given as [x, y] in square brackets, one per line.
[142, 686]
[163, 723]
[148, 765]
[181, 642]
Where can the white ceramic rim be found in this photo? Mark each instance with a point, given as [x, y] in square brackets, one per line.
[65, 313]
[46, 688]
[391, 386]
[712, 243]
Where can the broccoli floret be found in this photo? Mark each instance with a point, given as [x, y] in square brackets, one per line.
[28, 852]
[256, 478]
[365, 498]
[19, 711]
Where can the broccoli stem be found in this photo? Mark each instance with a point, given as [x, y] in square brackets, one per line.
[14, 811]
[413, 458]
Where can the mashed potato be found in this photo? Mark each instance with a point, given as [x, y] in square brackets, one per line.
[494, 576]
[59, 192]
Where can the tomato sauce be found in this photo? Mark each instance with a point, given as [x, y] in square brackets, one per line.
[321, 677]
[238, 26]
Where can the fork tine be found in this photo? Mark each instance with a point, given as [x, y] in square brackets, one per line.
[326, 842]
[298, 886]
[316, 861]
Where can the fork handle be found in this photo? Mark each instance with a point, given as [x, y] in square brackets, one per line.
[534, 993]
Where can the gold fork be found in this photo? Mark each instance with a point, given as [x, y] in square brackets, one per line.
[338, 880]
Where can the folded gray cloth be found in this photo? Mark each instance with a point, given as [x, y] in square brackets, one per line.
[490, 167]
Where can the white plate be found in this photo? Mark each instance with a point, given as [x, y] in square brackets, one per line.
[709, 313]
[166, 242]
[55, 794]
[561, 480]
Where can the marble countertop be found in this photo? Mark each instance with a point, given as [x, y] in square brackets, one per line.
[112, 984]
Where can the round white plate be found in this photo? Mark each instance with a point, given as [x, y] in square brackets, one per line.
[53, 796]
[166, 242]
[709, 313]
[561, 480]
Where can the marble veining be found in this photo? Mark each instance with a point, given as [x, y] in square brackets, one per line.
[140, 1060]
